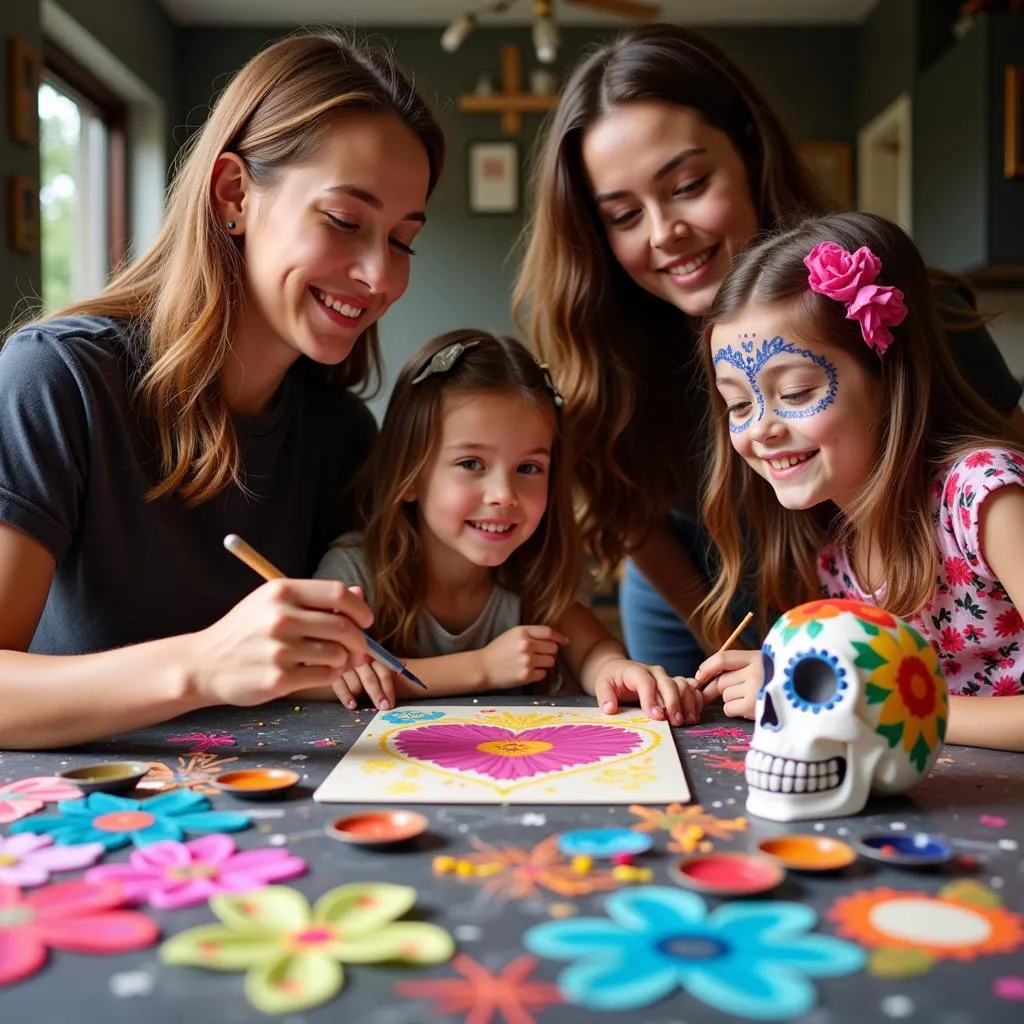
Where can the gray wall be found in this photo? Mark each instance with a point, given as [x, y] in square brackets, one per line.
[19, 272]
[886, 50]
[466, 264]
[136, 32]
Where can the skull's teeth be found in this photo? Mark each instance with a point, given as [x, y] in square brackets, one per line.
[787, 775]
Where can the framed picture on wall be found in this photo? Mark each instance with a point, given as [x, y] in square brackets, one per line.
[493, 177]
[23, 214]
[24, 76]
[1013, 122]
[831, 163]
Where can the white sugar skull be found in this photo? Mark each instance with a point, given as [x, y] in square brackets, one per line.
[853, 702]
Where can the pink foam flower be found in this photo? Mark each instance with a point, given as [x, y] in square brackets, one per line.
[73, 916]
[28, 859]
[839, 274]
[877, 308]
[169, 874]
[26, 796]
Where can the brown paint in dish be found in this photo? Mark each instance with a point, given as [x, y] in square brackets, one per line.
[378, 827]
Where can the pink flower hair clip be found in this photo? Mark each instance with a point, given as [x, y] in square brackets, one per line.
[848, 277]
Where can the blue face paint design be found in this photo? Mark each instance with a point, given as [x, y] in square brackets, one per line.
[750, 363]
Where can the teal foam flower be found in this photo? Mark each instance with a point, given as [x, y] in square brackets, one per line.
[752, 959]
[116, 821]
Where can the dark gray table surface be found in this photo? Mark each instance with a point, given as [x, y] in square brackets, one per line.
[967, 797]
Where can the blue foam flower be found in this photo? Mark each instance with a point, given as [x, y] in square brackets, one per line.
[603, 842]
[411, 715]
[751, 959]
[116, 821]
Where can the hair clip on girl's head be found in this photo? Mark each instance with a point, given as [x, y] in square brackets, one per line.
[443, 360]
[557, 396]
[848, 277]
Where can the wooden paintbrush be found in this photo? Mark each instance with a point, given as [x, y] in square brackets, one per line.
[736, 632]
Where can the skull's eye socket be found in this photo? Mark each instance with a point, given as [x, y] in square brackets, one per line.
[814, 681]
[767, 669]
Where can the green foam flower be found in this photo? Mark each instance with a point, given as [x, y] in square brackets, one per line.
[293, 953]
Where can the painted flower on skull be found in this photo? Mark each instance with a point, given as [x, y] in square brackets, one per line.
[903, 676]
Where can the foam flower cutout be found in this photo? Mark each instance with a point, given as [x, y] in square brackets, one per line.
[294, 954]
[72, 916]
[169, 874]
[751, 959]
[28, 860]
[839, 274]
[116, 821]
[26, 796]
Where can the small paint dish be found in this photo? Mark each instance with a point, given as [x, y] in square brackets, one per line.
[603, 843]
[728, 874]
[908, 849]
[378, 828]
[809, 853]
[257, 783]
[106, 776]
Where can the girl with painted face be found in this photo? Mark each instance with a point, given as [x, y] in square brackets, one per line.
[211, 388]
[659, 165]
[470, 558]
[867, 468]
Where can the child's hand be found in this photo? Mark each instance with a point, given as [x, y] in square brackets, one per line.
[374, 679]
[661, 696]
[521, 655]
[736, 677]
[377, 681]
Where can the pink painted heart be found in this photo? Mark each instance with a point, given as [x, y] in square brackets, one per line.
[507, 755]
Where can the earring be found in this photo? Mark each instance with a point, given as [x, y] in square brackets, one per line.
[231, 225]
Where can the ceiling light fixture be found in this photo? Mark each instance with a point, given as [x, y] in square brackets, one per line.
[545, 32]
[459, 28]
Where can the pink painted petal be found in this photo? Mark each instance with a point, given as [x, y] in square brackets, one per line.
[258, 860]
[135, 887]
[115, 931]
[184, 894]
[27, 842]
[68, 858]
[73, 899]
[156, 858]
[254, 877]
[21, 954]
[12, 810]
[9, 895]
[24, 874]
[215, 848]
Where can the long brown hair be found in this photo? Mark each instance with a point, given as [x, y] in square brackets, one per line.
[622, 356]
[187, 289]
[545, 571]
[930, 417]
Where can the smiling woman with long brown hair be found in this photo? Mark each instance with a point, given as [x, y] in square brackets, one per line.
[211, 388]
[659, 166]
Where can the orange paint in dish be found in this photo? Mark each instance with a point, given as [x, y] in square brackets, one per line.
[378, 827]
[258, 779]
[809, 853]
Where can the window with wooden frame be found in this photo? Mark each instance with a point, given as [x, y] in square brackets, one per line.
[83, 185]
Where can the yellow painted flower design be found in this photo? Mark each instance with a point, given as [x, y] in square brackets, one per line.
[904, 678]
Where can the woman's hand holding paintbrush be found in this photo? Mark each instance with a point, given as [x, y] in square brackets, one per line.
[348, 653]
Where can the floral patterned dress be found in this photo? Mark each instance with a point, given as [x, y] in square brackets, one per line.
[970, 620]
